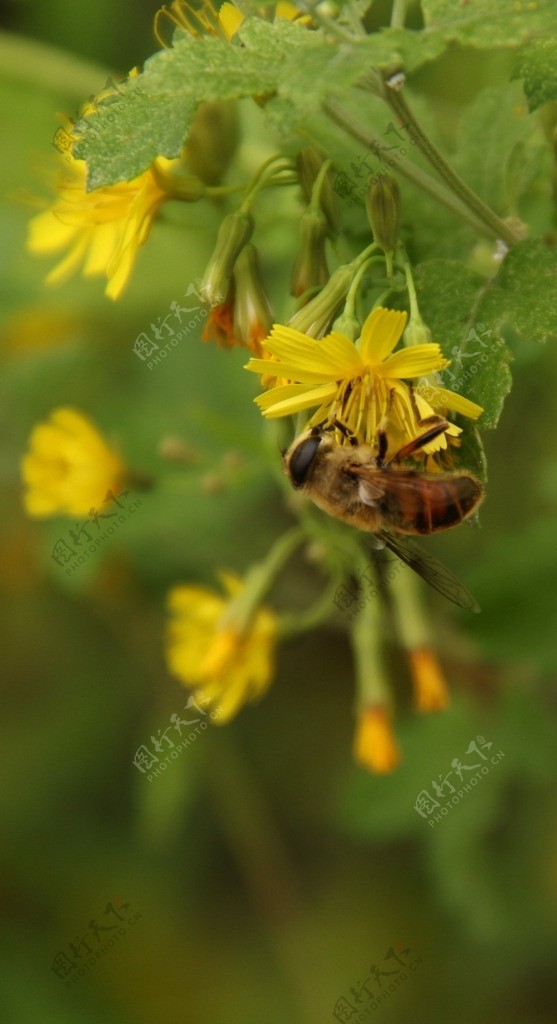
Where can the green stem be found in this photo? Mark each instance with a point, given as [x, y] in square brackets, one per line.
[367, 630]
[302, 622]
[398, 13]
[258, 581]
[395, 100]
[406, 168]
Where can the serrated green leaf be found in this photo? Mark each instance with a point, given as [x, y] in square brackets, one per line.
[489, 23]
[491, 126]
[125, 136]
[449, 295]
[522, 295]
[537, 65]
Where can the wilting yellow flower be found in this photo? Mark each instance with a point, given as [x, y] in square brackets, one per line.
[359, 383]
[430, 688]
[375, 746]
[102, 230]
[69, 468]
[206, 650]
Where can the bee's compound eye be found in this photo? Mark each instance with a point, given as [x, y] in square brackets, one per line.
[302, 460]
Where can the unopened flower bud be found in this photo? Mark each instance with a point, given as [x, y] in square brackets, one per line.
[416, 332]
[316, 317]
[310, 269]
[234, 233]
[253, 318]
[383, 211]
[308, 164]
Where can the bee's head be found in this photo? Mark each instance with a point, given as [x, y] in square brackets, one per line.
[300, 459]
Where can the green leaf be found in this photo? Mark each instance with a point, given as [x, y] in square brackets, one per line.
[487, 133]
[537, 65]
[522, 295]
[449, 296]
[488, 23]
[127, 134]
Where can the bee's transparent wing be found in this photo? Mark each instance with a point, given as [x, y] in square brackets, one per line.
[431, 570]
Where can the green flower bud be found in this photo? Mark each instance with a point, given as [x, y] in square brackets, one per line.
[308, 164]
[253, 317]
[316, 317]
[383, 211]
[234, 233]
[310, 269]
[416, 332]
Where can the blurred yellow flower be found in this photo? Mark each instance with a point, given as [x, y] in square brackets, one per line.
[211, 19]
[208, 650]
[100, 230]
[69, 468]
[430, 688]
[375, 746]
[358, 383]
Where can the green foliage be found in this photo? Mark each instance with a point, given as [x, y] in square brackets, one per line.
[537, 66]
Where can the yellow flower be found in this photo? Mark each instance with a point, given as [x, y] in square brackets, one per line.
[359, 383]
[375, 746]
[208, 19]
[69, 468]
[430, 688]
[101, 231]
[208, 650]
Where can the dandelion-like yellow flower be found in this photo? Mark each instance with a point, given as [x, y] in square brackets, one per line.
[430, 688]
[69, 468]
[375, 746]
[358, 383]
[101, 230]
[207, 651]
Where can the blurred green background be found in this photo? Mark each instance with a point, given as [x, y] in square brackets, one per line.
[267, 870]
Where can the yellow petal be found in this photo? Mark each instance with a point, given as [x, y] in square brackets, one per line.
[282, 401]
[415, 361]
[380, 333]
[445, 399]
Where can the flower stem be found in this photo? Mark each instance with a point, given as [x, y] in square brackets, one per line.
[398, 13]
[408, 170]
[395, 100]
[371, 679]
[292, 625]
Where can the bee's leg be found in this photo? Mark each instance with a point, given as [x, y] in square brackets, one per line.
[382, 445]
[417, 443]
[348, 434]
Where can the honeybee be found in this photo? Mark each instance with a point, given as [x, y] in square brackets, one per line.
[377, 495]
